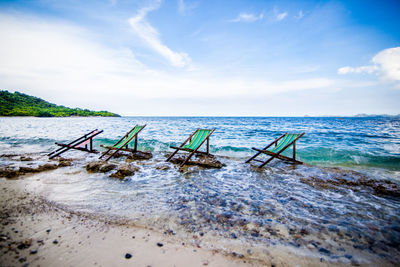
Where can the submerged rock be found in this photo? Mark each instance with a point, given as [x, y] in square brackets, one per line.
[94, 166]
[24, 158]
[380, 187]
[106, 167]
[140, 155]
[205, 161]
[124, 171]
[162, 167]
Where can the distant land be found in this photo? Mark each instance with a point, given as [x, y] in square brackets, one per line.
[19, 104]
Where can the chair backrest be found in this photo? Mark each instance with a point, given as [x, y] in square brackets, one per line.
[197, 139]
[129, 138]
[287, 139]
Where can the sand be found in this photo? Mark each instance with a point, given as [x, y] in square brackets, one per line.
[34, 232]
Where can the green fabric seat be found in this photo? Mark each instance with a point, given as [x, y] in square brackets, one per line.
[129, 138]
[193, 143]
[287, 139]
[197, 139]
[122, 144]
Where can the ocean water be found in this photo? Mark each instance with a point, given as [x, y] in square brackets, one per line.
[238, 206]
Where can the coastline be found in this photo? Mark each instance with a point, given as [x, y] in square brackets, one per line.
[36, 232]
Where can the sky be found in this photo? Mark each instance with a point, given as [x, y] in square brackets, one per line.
[205, 58]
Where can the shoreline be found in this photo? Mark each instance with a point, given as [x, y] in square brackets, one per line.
[37, 232]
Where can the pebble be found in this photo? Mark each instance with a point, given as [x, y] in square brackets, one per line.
[48, 230]
[324, 250]
[128, 256]
[347, 256]
[33, 251]
[55, 241]
[160, 244]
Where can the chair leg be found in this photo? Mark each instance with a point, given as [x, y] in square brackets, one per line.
[266, 162]
[135, 148]
[187, 159]
[173, 154]
[253, 157]
[294, 150]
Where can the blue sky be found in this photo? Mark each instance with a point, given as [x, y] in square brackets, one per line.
[202, 58]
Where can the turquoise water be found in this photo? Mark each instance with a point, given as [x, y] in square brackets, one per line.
[237, 203]
[353, 142]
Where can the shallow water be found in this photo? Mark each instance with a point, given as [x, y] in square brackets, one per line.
[238, 205]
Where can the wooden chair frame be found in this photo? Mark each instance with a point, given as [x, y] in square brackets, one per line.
[122, 147]
[276, 155]
[192, 152]
[88, 138]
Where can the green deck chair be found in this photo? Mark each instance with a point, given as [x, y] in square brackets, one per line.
[122, 143]
[195, 140]
[286, 140]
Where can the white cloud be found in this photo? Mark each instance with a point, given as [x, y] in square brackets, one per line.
[362, 69]
[247, 17]
[184, 8]
[64, 64]
[386, 64]
[300, 15]
[388, 61]
[278, 16]
[281, 16]
[152, 38]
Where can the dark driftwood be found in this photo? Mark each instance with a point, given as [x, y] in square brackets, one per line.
[192, 152]
[276, 155]
[126, 147]
[72, 145]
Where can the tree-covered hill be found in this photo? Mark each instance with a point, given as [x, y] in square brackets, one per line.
[19, 104]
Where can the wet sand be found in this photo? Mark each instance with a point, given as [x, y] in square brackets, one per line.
[37, 233]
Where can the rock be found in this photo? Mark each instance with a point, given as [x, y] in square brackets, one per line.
[23, 169]
[202, 161]
[47, 167]
[162, 167]
[94, 166]
[55, 242]
[160, 244]
[107, 167]
[347, 256]
[128, 256]
[26, 244]
[23, 158]
[124, 171]
[140, 155]
[304, 231]
[64, 163]
[9, 173]
[33, 251]
[324, 250]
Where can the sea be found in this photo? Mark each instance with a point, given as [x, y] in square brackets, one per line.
[341, 205]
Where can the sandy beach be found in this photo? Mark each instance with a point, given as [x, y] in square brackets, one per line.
[35, 232]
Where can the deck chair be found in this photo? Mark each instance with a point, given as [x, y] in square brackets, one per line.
[79, 144]
[196, 139]
[122, 143]
[286, 140]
